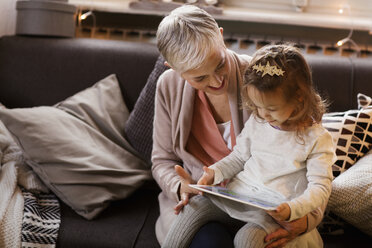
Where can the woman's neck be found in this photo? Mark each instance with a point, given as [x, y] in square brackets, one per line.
[220, 107]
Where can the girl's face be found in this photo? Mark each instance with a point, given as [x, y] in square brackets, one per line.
[213, 75]
[271, 106]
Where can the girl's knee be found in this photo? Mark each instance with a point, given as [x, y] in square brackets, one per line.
[250, 236]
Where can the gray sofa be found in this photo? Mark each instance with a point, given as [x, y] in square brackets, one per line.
[38, 71]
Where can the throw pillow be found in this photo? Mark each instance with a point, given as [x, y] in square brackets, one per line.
[363, 101]
[139, 127]
[351, 197]
[77, 148]
[352, 134]
[26, 176]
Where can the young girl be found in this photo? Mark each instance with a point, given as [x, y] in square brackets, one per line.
[282, 148]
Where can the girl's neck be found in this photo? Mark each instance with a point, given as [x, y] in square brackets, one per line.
[286, 127]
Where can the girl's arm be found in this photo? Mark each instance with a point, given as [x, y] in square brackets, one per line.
[319, 176]
[233, 163]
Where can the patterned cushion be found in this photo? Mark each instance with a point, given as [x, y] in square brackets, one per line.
[352, 134]
[351, 197]
[364, 101]
[138, 129]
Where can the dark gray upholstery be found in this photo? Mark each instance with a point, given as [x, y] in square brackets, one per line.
[143, 115]
[43, 71]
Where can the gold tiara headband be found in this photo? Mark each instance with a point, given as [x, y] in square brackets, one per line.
[268, 69]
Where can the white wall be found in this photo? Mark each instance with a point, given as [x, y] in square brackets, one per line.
[7, 17]
[358, 7]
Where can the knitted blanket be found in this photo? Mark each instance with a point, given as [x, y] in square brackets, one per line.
[11, 199]
[11, 207]
[41, 220]
[26, 219]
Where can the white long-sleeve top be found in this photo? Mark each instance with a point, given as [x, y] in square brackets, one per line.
[299, 171]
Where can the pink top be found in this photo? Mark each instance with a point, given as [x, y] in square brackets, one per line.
[205, 141]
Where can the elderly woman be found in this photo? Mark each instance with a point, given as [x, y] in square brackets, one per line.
[197, 117]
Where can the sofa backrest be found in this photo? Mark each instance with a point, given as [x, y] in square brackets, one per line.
[43, 71]
[340, 79]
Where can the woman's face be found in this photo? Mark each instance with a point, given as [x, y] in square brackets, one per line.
[213, 75]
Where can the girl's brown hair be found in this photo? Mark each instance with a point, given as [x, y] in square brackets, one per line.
[296, 84]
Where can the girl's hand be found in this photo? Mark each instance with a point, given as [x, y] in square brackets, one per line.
[208, 176]
[288, 232]
[281, 213]
[186, 192]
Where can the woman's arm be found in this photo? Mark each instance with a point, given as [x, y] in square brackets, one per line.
[163, 157]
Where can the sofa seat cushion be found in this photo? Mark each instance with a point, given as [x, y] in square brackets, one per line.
[125, 223]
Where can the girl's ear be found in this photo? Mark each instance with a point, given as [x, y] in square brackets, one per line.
[299, 96]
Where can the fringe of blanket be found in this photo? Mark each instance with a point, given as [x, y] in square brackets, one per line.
[27, 220]
[41, 220]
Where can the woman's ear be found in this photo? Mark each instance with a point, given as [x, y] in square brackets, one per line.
[221, 30]
[167, 65]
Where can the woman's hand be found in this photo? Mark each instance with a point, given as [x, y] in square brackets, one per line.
[208, 176]
[186, 192]
[286, 233]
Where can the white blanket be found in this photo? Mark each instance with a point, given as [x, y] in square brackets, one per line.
[13, 174]
[11, 198]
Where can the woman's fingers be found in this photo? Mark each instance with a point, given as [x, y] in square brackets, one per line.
[185, 198]
[183, 174]
[278, 234]
[185, 181]
[280, 238]
[278, 243]
[184, 201]
[178, 207]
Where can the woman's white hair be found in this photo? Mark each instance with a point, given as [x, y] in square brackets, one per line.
[186, 36]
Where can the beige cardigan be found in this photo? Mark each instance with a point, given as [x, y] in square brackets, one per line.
[174, 102]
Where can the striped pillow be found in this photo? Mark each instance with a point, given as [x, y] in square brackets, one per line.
[352, 133]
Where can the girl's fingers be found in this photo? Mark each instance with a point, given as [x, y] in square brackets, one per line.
[280, 208]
